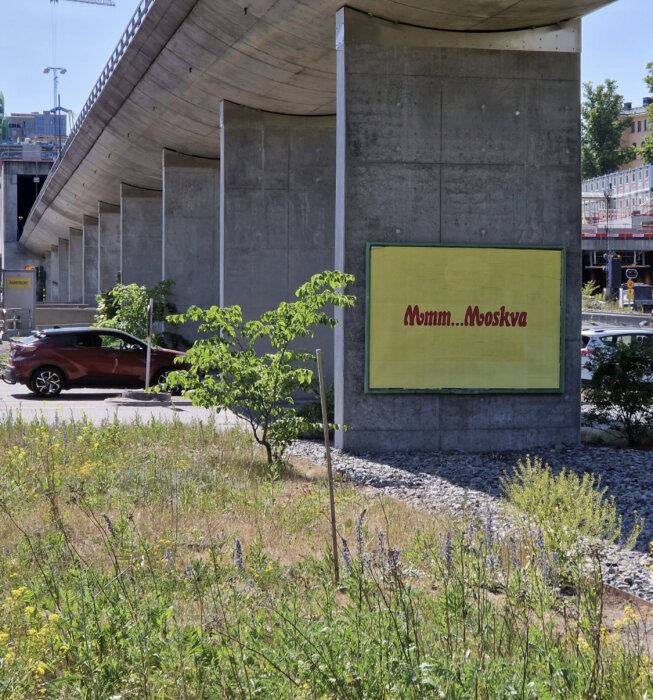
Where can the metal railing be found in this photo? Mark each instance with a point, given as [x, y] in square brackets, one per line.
[129, 33]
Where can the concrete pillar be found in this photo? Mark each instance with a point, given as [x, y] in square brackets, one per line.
[76, 265]
[463, 139]
[108, 245]
[277, 208]
[141, 235]
[53, 277]
[90, 260]
[191, 229]
[64, 267]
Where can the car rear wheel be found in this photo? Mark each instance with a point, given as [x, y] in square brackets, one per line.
[47, 381]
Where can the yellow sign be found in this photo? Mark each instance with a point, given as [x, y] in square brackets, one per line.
[631, 294]
[18, 282]
[630, 284]
[446, 318]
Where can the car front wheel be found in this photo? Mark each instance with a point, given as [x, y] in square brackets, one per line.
[47, 381]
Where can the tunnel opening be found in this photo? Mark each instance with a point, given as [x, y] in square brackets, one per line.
[28, 188]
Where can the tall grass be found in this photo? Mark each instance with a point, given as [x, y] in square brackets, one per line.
[165, 561]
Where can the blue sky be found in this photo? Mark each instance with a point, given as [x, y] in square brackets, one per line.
[616, 44]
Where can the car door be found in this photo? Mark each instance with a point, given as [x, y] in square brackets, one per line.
[88, 364]
[129, 358]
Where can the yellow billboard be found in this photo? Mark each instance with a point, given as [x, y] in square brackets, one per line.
[448, 318]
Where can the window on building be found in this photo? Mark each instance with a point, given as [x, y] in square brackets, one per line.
[645, 125]
[632, 128]
[639, 125]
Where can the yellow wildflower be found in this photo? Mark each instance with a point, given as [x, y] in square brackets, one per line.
[40, 668]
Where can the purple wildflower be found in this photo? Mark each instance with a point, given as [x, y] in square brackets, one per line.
[515, 562]
[489, 528]
[360, 541]
[107, 519]
[381, 549]
[346, 555]
[167, 558]
[471, 531]
[238, 555]
[393, 559]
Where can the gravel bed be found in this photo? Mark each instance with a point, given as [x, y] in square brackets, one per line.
[447, 481]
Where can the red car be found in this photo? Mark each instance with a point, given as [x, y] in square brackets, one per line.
[62, 358]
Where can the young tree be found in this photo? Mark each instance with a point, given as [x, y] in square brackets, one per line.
[601, 130]
[124, 307]
[646, 151]
[253, 368]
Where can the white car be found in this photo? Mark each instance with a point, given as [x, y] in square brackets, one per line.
[591, 338]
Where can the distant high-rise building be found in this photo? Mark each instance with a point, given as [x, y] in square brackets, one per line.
[4, 127]
[38, 126]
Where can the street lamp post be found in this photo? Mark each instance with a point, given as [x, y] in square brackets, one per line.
[607, 193]
[56, 71]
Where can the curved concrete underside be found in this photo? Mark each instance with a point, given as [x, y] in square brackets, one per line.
[188, 55]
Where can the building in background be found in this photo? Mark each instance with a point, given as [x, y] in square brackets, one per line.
[39, 127]
[618, 219]
[639, 130]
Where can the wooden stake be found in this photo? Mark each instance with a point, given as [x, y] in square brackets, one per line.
[325, 422]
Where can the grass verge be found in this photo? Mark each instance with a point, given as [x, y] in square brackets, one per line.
[167, 561]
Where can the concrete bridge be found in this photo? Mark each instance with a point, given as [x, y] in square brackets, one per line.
[238, 146]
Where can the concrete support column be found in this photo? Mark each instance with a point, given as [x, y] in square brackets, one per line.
[141, 235]
[64, 270]
[90, 260]
[75, 265]
[191, 229]
[277, 208]
[52, 283]
[108, 245]
[463, 139]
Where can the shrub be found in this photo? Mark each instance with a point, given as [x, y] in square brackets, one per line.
[621, 389]
[569, 510]
[124, 307]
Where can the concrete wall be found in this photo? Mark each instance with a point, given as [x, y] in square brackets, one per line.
[141, 259]
[108, 245]
[91, 261]
[277, 209]
[76, 265]
[191, 229]
[444, 140]
[64, 269]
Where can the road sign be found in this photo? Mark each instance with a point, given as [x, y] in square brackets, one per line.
[630, 284]
[631, 274]
[631, 294]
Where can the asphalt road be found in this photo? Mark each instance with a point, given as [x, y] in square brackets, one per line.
[616, 318]
[99, 405]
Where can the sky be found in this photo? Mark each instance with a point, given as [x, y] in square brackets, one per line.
[80, 37]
